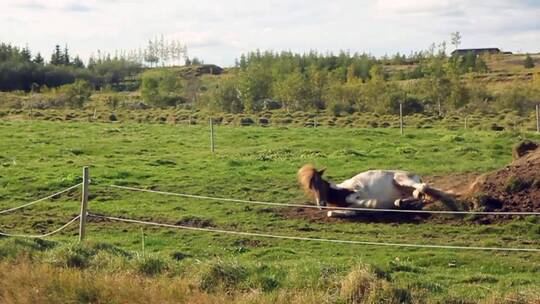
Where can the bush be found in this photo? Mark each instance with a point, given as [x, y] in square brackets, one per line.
[528, 63]
[74, 256]
[161, 88]
[221, 275]
[152, 266]
[76, 94]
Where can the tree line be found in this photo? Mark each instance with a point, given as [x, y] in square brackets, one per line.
[344, 83]
[21, 70]
[424, 81]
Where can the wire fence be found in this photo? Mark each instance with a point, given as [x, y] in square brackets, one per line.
[222, 199]
[33, 236]
[40, 200]
[298, 238]
[64, 226]
[85, 213]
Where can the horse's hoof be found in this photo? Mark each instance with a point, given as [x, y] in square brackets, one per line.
[417, 194]
[329, 214]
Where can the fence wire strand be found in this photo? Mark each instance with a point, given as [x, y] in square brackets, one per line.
[298, 238]
[40, 200]
[323, 207]
[38, 236]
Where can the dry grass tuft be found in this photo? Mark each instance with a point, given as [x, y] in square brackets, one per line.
[362, 285]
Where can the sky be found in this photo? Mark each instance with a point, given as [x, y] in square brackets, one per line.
[219, 31]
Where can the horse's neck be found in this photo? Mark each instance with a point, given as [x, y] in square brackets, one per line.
[338, 196]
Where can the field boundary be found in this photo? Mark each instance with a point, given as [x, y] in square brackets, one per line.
[234, 200]
[298, 238]
[39, 236]
[39, 200]
[35, 202]
[84, 214]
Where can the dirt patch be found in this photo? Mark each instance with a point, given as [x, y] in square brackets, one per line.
[249, 243]
[317, 216]
[457, 183]
[193, 221]
[515, 187]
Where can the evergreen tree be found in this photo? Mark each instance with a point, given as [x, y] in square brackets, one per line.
[65, 56]
[78, 63]
[38, 59]
[56, 57]
[196, 61]
[25, 54]
[528, 63]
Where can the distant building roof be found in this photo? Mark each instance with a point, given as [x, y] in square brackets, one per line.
[476, 51]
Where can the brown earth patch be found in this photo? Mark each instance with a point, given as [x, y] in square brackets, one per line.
[455, 183]
[313, 215]
[516, 187]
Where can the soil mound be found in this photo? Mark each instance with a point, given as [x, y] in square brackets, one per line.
[515, 187]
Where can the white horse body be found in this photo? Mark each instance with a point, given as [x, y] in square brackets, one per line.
[381, 189]
[377, 189]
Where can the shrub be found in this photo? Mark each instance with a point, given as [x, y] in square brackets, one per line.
[151, 266]
[528, 63]
[246, 121]
[73, 256]
[221, 275]
[77, 93]
[161, 88]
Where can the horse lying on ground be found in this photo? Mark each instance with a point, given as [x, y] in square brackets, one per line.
[378, 189]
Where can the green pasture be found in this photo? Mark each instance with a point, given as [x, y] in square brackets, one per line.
[256, 163]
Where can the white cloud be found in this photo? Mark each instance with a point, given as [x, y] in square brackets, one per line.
[218, 31]
[418, 7]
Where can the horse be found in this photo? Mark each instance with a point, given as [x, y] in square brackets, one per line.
[377, 189]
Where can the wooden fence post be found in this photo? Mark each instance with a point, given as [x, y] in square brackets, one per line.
[401, 118]
[84, 205]
[212, 147]
[142, 241]
[466, 122]
[537, 118]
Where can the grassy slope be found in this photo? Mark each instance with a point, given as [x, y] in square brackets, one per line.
[38, 158]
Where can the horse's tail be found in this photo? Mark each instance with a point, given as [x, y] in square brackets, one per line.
[438, 195]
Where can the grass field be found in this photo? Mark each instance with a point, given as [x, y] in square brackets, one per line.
[38, 158]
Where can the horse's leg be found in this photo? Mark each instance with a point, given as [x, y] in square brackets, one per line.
[409, 203]
[353, 203]
[411, 181]
[357, 202]
[341, 213]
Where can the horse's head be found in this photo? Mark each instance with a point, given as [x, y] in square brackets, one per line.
[313, 184]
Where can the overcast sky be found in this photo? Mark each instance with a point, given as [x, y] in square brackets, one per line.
[219, 31]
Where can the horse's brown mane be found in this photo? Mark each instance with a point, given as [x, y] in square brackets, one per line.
[334, 197]
[305, 174]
